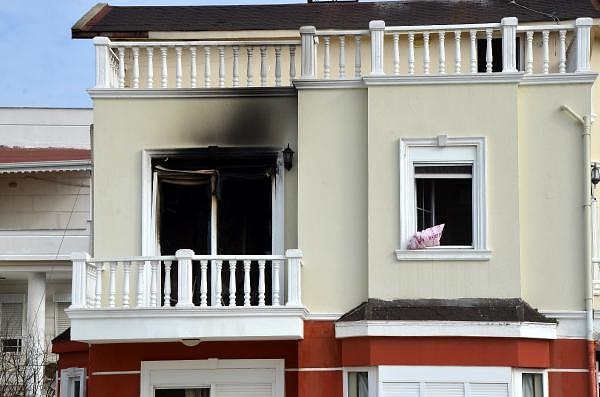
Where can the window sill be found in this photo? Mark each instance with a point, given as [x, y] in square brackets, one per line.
[441, 254]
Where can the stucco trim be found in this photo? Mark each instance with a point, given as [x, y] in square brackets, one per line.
[559, 78]
[128, 93]
[478, 78]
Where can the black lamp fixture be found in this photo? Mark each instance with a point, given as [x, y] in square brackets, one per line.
[595, 174]
[288, 156]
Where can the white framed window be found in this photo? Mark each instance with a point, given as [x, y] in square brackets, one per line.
[12, 319]
[443, 181]
[530, 382]
[360, 381]
[72, 382]
[212, 378]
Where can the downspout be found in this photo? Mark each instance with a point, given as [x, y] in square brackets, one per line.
[586, 123]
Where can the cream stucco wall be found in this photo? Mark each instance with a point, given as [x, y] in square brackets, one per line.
[458, 111]
[125, 127]
[332, 198]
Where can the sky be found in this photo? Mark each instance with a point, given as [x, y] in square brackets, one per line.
[40, 65]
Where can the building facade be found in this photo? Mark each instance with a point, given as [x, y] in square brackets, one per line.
[261, 174]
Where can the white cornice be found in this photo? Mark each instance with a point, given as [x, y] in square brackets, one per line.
[559, 78]
[478, 78]
[353, 329]
[319, 84]
[443, 255]
[99, 93]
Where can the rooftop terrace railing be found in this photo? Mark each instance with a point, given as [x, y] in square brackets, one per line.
[380, 50]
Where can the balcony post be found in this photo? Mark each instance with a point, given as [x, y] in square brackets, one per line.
[582, 28]
[79, 280]
[509, 44]
[377, 29]
[103, 66]
[294, 286]
[309, 49]
[184, 278]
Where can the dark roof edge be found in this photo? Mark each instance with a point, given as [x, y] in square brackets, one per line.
[93, 14]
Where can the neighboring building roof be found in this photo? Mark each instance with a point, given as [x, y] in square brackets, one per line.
[483, 309]
[135, 21]
[18, 159]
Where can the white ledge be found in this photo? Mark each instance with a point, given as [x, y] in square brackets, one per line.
[211, 323]
[475, 78]
[319, 84]
[96, 93]
[46, 166]
[487, 329]
[559, 78]
[440, 254]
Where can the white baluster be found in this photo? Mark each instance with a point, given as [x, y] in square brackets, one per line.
[112, 284]
[203, 282]
[357, 57]
[232, 282]
[167, 285]
[164, 74]
[249, 72]
[489, 58]
[442, 37]
[136, 67]
[79, 281]
[221, 66]
[411, 53]
[292, 63]
[246, 283]
[275, 282]
[278, 66]
[457, 54]
[218, 286]
[545, 50]
[263, 66]
[98, 300]
[206, 66]
[426, 59]
[193, 67]
[562, 64]
[342, 66]
[121, 51]
[261, 283]
[236, 72]
[153, 286]
[178, 67]
[396, 39]
[473, 38]
[126, 273]
[140, 283]
[326, 63]
[150, 69]
[529, 53]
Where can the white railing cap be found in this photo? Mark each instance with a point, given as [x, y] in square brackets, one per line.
[80, 256]
[377, 25]
[293, 253]
[510, 21]
[101, 40]
[308, 30]
[584, 22]
[184, 253]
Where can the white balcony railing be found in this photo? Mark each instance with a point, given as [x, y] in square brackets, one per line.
[137, 282]
[325, 54]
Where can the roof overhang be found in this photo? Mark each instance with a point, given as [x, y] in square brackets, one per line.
[45, 166]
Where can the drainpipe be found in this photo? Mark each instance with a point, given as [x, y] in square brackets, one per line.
[586, 123]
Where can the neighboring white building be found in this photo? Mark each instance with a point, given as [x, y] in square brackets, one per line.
[45, 169]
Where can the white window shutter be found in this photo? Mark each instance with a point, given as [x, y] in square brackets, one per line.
[11, 319]
[400, 389]
[61, 320]
[489, 390]
[245, 390]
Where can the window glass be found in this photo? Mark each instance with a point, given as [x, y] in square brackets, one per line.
[196, 392]
[358, 384]
[532, 385]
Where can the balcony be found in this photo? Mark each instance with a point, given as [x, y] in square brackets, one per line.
[187, 296]
[378, 55]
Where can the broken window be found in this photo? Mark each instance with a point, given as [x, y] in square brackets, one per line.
[217, 202]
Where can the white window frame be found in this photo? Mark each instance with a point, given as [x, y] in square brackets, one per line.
[206, 373]
[372, 373]
[443, 150]
[68, 377]
[518, 380]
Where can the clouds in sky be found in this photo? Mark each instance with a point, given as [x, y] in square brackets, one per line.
[41, 65]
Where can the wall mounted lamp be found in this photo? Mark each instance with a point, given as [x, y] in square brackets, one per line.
[288, 157]
[595, 174]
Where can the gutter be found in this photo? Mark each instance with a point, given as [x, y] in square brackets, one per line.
[586, 123]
